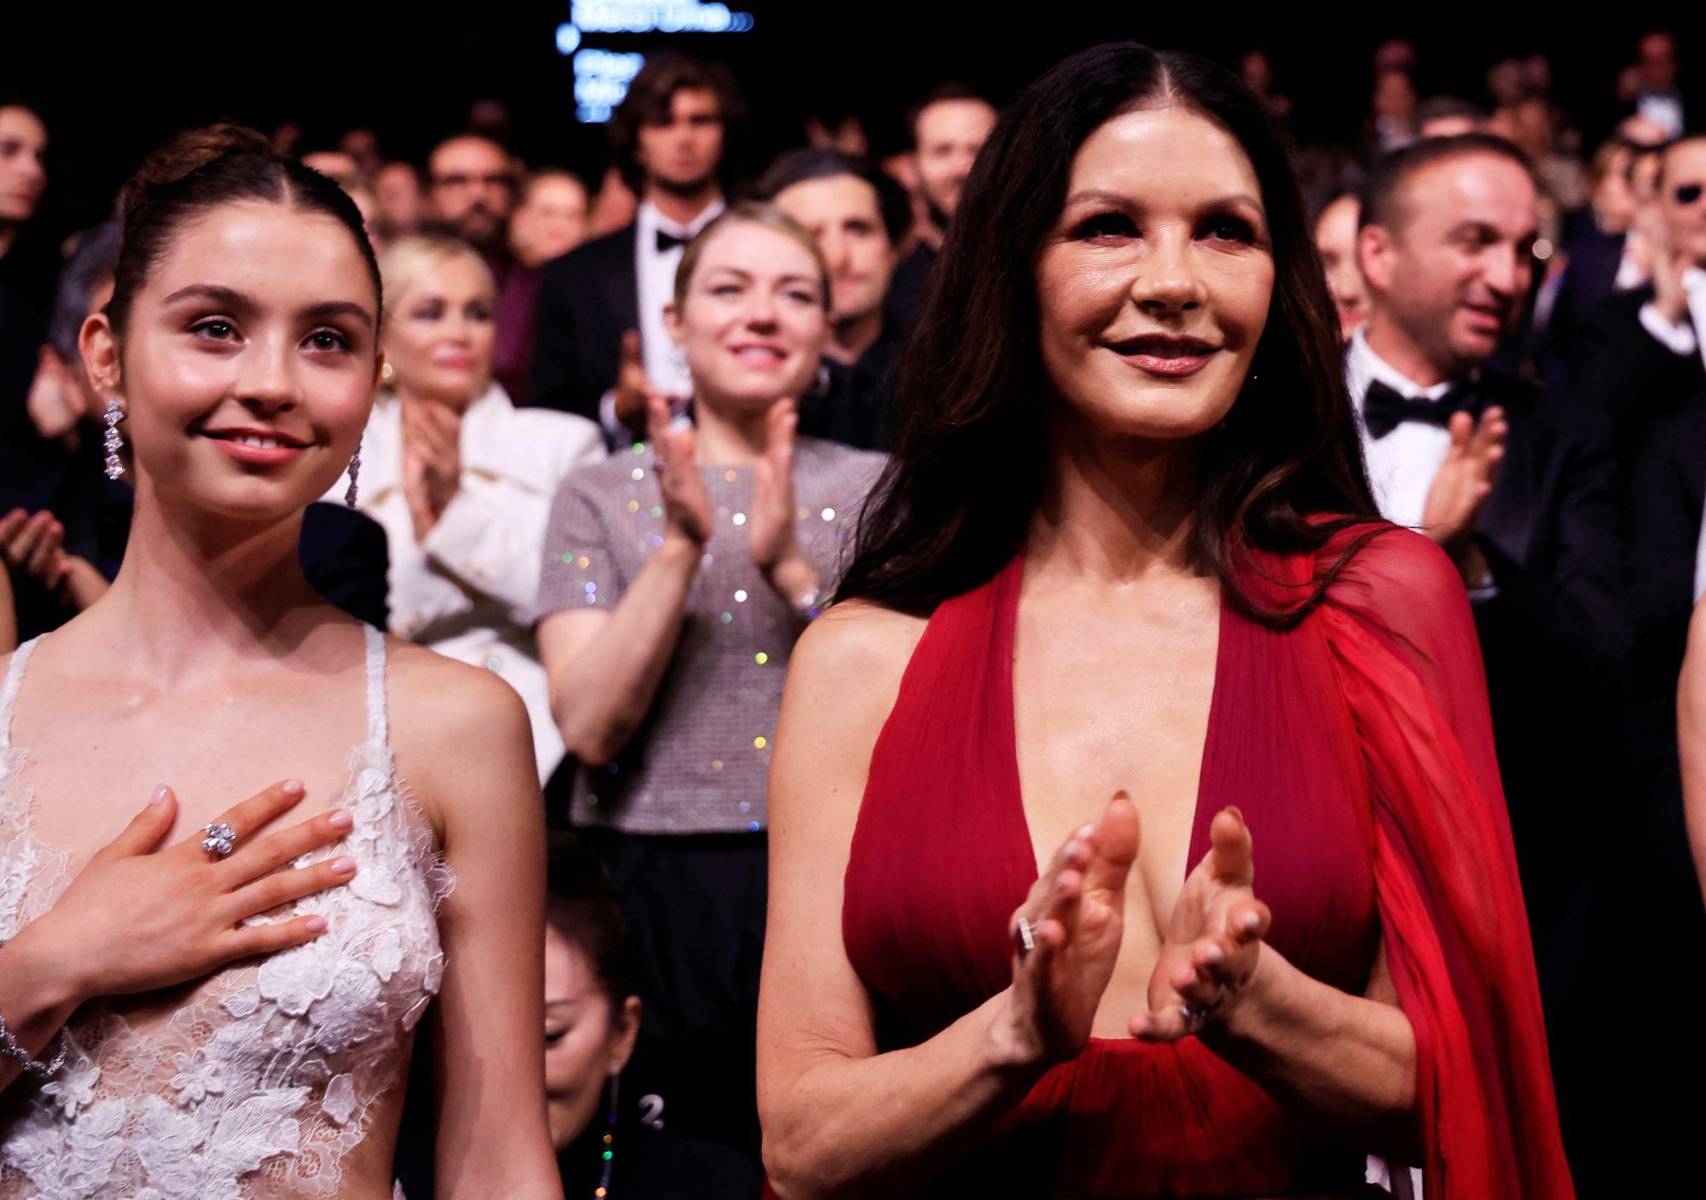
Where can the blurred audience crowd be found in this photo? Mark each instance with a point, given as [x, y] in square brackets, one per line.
[629, 412]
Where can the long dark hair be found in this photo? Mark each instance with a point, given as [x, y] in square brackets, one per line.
[969, 464]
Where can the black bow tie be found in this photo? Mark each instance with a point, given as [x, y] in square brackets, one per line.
[1383, 409]
[668, 242]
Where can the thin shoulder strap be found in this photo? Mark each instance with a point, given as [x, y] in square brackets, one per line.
[378, 729]
[9, 690]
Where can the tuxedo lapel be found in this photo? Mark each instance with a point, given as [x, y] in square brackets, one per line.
[625, 285]
[1520, 492]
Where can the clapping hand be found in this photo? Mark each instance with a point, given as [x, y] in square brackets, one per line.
[1465, 479]
[35, 546]
[686, 502]
[632, 386]
[432, 460]
[775, 550]
[1067, 936]
[1213, 940]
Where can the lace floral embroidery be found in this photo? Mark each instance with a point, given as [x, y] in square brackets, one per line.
[258, 1084]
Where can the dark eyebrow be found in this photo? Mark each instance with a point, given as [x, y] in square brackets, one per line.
[338, 308]
[237, 302]
[1117, 200]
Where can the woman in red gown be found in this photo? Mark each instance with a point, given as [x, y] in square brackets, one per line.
[1126, 548]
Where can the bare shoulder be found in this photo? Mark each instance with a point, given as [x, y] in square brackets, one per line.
[858, 650]
[459, 733]
[842, 682]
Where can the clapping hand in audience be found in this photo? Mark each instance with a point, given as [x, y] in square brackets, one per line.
[432, 460]
[686, 501]
[34, 546]
[1461, 486]
[632, 386]
[775, 550]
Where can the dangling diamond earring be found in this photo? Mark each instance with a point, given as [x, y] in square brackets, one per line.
[354, 474]
[111, 442]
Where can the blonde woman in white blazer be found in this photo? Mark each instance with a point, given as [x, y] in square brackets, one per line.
[460, 478]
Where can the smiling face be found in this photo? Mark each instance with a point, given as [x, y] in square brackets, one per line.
[1154, 286]
[752, 322]
[248, 361]
[439, 336]
[1450, 270]
[845, 215]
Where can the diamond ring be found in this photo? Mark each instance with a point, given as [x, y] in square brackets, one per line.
[221, 839]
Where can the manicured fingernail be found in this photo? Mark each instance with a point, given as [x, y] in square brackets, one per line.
[1251, 920]
[159, 796]
[343, 866]
[1213, 953]
[291, 787]
[1084, 831]
[341, 820]
[316, 924]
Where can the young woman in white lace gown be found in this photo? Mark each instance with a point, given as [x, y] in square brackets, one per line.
[238, 1028]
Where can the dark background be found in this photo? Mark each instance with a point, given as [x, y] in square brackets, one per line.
[111, 86]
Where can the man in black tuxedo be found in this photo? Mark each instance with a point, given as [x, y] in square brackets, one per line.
[1521, 497]
[858, 216]
[601, 339]
[949, 127]
[1637, 365]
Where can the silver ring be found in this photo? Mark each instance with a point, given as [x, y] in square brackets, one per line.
[221, 839]
[1025, 938]
[1195, 1018]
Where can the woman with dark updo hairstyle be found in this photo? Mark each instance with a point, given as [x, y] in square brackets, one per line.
[1135, 827]
[200, 998]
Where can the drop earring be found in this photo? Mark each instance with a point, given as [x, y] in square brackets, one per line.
[111, 441]
[608, 1153]
[354, 475]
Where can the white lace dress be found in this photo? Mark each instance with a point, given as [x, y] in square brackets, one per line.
[255, 1082]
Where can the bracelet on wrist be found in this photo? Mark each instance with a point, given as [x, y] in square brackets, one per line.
[41, 1070]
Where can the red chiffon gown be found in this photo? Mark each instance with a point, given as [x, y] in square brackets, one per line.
[1359, 748]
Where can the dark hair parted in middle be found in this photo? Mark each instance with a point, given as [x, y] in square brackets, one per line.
[204, 169]
[968, 470]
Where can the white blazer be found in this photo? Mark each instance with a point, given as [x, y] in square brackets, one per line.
[467, 589]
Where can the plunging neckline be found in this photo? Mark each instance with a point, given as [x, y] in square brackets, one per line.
[1007, 634]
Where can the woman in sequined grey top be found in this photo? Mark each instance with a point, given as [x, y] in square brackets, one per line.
[676, 579]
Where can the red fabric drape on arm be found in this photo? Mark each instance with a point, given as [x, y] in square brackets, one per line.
[1408, 663]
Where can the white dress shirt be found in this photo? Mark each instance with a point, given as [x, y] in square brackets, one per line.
[467, 589]
[1682, 337]
[654, 278]
[1401, 465]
